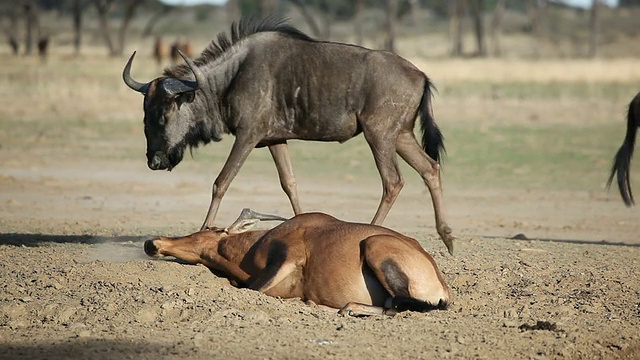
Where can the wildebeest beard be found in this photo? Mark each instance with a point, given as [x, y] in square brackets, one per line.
[198, 134]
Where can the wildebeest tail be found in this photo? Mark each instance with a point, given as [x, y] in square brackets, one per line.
[432, 139]
[622, 160]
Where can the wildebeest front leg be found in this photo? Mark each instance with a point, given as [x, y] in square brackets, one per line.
[280, 154]
[239, 152]
[408, 148]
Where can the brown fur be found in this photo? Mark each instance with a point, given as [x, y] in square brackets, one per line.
[359, 268]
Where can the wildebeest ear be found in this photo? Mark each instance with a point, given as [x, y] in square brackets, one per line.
[185, 97]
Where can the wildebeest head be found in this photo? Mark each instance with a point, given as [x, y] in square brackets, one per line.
[163, 98]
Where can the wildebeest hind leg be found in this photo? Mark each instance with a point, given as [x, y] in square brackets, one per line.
[280, 154]
[408, 148]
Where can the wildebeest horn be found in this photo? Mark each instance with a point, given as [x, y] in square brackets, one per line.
[126, 76]
[249, 218]
[197, 73]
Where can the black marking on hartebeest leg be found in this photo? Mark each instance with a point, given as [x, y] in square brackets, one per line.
[404, 303]
[397, 281]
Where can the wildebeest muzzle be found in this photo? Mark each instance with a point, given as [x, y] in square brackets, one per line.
[158, 161]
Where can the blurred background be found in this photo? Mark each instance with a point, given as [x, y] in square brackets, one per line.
[531, 98]
[426, 28]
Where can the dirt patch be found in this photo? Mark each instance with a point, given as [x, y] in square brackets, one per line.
[538, 272]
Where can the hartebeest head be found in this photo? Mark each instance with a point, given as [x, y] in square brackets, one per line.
[163, 98]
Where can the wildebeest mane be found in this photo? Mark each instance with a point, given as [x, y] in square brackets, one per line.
[239, 30]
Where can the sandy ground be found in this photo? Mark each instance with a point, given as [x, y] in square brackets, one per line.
[76, 282]
[536, 274]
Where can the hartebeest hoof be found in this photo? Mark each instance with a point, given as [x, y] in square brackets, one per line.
[150, 248]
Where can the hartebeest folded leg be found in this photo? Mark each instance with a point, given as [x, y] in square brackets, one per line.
[357, 309]
[406, 272]
[280, 154]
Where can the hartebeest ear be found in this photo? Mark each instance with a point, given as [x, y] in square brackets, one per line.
[185, 97]
[242, 226]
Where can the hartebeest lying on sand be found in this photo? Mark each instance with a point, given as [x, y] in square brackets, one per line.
[360, 269]
[622, 160]
[269, 83]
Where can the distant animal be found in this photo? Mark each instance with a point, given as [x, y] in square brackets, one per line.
[622, 160]
[360, 269]
[180, 45]
[271, 83]
[14, 45]
[43, 47]
[159, 50]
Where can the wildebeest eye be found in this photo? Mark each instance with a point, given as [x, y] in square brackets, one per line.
[185, 97]
[161, 120]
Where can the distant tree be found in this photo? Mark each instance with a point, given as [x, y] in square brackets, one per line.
[267, 7]
[301, 5]
[357, 21]
[159, 14]
[390, 25]
[496, 26]
[103, 8]
[31, 25]
[457, 9]
[477, 7]
[233, 10]
[594, 27]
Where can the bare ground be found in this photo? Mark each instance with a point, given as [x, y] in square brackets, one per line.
[76, 283]
[75, 209]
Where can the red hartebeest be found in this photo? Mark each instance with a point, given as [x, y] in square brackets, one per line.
[361, 269]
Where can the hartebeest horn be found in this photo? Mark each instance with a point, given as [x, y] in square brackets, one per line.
[126, 76]
[249, 218]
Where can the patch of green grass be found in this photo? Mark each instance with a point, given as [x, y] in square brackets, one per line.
[538, 90]
[558, 157]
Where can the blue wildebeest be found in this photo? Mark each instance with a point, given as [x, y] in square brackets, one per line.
[622, 160]
[360, 269]
[270, 83]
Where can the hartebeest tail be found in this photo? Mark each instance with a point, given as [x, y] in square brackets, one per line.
[622, 160]
[432, 139]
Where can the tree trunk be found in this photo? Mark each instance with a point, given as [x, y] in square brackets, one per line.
[300, 4]
[148, 28]
[30, 20]
[102, 6]
[392, 9]
[594, 28]
[233, 10]
[357, 20]
[478, 25]
[456, 13]
[124, 26]
[267, 7]
[77, 25]
[496, 26]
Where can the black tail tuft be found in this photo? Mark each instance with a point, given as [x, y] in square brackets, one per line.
[406, 303]
[432, 139]
[622, 160]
